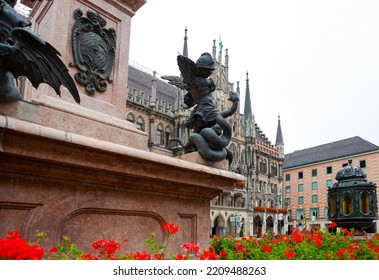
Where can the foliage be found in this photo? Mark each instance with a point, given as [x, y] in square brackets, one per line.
[300, 245]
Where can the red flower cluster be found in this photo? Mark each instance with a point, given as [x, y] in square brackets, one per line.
[317, 239]
[267, 248]
[13, 247]
[289, 254]
[138, 256]
[209, 255]
[300, 245]
[191, 247]
[333, 225]
[297, 236]
[240, 248]
[181, 257]
[106, 249]
[170, 227]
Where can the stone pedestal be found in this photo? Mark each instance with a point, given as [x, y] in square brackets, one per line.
[85, 172]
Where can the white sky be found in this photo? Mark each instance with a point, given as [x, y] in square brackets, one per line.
[316, 63]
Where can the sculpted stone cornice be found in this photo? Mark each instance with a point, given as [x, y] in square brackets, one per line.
[32, 149]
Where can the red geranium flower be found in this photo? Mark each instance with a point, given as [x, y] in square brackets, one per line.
[290, 254]
[191, 247]
[267, 248]
[53, 250]
[333, 225]
[181, 257]
[170, 227]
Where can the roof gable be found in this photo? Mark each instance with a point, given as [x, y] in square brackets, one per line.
[347, 147]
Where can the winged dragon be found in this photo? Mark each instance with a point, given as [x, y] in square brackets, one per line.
[23, 53]
[211, 131]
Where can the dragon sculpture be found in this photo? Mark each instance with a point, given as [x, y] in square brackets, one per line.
[23, 53]
[211, 131]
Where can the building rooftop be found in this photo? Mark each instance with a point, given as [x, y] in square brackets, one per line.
[142, 81]
[342, 148]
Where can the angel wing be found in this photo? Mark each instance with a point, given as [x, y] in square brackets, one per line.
[189, 70]
[30, 56]
[176, 81]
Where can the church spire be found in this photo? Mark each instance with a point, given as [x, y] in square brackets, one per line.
[279, 143]
[185, 47]
[249, 119]
[247, 108]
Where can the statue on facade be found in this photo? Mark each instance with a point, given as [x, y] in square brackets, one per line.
[211, 131]
[23, 53]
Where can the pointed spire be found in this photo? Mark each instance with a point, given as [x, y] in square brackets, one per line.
[214, 50]
[220, 51]
[249, 118]
[279, 135]
[247, 108]
[185, 47]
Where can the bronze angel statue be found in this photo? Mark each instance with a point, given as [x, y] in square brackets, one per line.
[23, 53]
[212, 133]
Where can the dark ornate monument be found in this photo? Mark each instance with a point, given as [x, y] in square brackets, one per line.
[211, 131]
[352, 201]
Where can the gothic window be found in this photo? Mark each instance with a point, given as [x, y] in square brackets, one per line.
[258, 202]
[168, 132]
[262, 166]
[273, 188]
[274, 169]
[131, 118]
[140, 123]
[160, 139]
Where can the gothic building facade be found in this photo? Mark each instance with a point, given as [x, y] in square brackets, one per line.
[155, 107]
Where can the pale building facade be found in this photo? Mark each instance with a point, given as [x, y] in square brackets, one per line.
[310, 172]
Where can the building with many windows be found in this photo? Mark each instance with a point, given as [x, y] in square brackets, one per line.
[155, 107]
[310, 172]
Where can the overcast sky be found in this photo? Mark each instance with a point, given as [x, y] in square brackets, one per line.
[316, 63]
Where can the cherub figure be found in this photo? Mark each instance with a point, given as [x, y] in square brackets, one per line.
[212, 133]
[22, 53]
[200, 87]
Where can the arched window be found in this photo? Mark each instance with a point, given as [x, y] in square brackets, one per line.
[274, 169]
[168, 131]
[131, 118]
[160, 139]
[262, 166]
[140, 123]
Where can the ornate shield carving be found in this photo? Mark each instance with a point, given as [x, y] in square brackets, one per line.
[94, 50]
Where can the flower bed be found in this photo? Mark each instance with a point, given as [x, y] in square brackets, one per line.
[300, 245]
